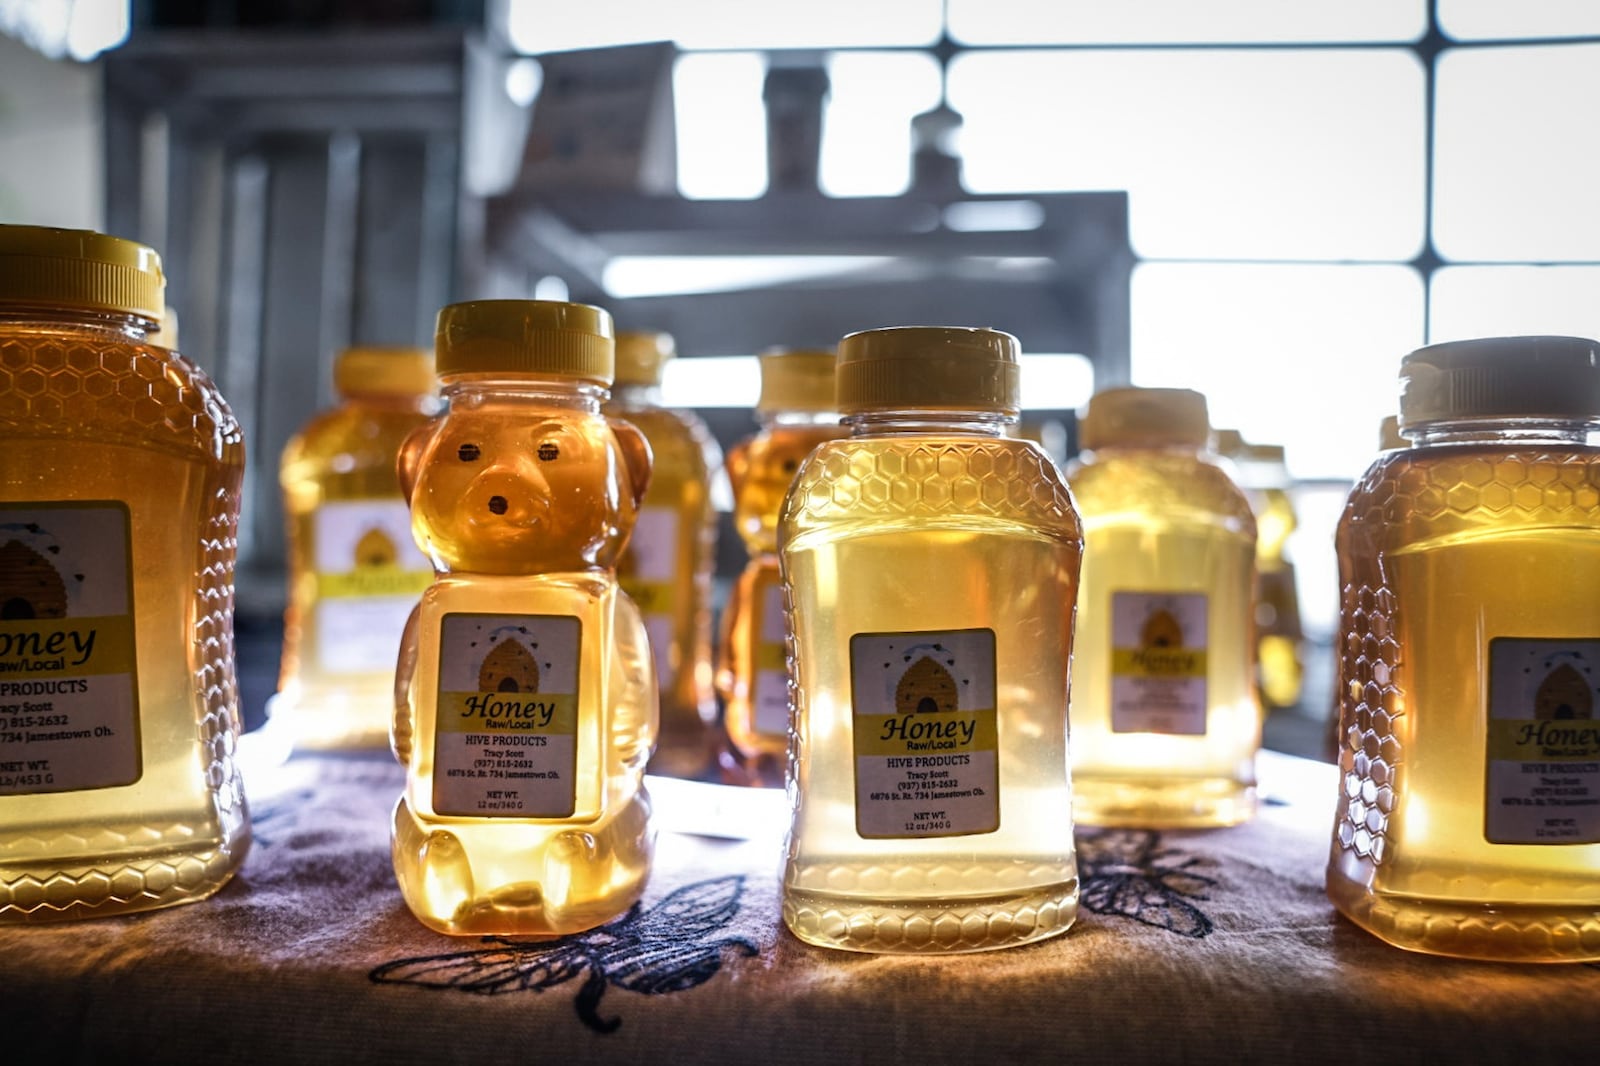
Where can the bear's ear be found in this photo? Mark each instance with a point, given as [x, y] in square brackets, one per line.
[635, 454]
[410, 458]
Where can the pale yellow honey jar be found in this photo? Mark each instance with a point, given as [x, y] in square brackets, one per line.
[1165, 722]
[931, 567]
[354, 570]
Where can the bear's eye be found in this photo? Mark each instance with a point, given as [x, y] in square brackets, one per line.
[790, 466]
[548, 451]
[469, 453]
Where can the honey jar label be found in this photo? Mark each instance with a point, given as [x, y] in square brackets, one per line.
[769, 689]
[369, 575]
[1543, 742]
[69, 692]
[1158, 662]
[506, 721]
[647, 572]
[927, 757]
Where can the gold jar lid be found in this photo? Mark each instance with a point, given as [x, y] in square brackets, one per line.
[1501, 377]
[929, 368]
[386, 371]
[79, 269]
[642, 356]
[798, 379]
[525, 337]
[1130, 415]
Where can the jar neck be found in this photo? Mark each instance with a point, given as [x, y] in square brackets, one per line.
[890, 422]
[635, 394]
[135, 328]
[525, 390]
[1536, 432]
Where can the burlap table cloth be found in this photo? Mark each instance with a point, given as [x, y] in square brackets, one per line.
[1191, 947]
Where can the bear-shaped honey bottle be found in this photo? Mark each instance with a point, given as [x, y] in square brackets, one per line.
[525, 702]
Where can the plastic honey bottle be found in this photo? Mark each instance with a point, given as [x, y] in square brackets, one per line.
[526, 699]
[796, 412]
[120, 467]
[354, 571]
[1165, 723]
[667, 565]
[931, 564]
[1469, 669]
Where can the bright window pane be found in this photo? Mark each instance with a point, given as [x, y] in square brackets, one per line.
[1142, 21]
[1509, 301]
[1518, 151]
[558, 25]
[866, 138]
[1300, 355]
[1490, 19]
[1226, 153]
[722, 125]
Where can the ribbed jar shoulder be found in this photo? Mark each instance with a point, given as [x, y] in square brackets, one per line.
[97, 385]
[1119, 484]
[1420, 494]
[931, 476]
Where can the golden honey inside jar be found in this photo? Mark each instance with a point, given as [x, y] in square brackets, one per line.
[666, 567]
[119, 504]
[796, 412]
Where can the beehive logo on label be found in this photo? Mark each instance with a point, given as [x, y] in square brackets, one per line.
[30, 585]
[926, 687]
[1161, 630]
[509, 667]
[1563, 695]
[376, 549]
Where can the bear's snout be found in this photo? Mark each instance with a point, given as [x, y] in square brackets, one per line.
[497, 504]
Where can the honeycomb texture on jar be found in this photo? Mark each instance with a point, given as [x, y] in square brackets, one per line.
[934, 478]
[1401, 501]
[116, 391]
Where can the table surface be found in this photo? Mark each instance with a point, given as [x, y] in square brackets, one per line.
[1214, 946]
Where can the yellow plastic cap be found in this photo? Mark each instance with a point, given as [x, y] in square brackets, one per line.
[79, 269]
[641, 357]
[1389, 437]
[1145, 417]
[1229, 442]
[543, 337]
[386, 371]
[798, 379]
[1501, 377]
[929, 368]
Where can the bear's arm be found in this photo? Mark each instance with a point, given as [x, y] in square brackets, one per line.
[400, 728]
